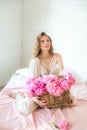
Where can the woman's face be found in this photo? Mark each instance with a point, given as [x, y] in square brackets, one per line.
[45, 43]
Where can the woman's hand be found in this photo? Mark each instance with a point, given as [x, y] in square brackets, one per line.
[40, 102]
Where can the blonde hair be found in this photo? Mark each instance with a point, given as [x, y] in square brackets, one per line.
[37, 50]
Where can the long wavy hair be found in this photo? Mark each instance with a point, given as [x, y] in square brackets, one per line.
[37, 50]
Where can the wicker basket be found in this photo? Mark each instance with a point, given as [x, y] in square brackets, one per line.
[57, 102]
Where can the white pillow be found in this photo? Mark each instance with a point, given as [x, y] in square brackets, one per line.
[23, 72]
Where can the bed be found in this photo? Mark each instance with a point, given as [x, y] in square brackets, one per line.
[41, 118]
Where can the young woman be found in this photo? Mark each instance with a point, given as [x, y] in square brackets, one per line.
[44, 61]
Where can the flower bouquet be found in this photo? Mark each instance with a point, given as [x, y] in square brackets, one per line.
[54, 89]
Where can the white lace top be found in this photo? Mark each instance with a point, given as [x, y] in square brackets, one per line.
[38, 68]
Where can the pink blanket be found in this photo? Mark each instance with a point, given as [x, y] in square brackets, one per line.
[41, 119]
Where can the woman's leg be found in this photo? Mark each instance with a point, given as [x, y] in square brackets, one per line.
[24, 105]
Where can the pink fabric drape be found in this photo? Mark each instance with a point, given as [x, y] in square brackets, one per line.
[41, 119]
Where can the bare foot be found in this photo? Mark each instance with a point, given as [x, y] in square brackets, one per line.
[21, 93]
[10, 93]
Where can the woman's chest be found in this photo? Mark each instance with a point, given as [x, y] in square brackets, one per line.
[52, 68]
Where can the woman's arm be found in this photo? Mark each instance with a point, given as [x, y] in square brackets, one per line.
[34, 68]
[59, 60]
[34, 71]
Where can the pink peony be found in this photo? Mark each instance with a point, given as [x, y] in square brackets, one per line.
[34, 87]
[48, 83]
[64, 84]
[70, 79]
[63, 125]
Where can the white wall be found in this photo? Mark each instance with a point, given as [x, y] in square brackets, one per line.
[22, 20]
[36, 19]
[10, 38]
[66, 22]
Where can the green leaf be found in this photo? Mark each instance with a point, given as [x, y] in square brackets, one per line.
[55, 125]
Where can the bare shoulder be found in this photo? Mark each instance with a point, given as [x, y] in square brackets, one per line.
[57, 55]
[59, 60]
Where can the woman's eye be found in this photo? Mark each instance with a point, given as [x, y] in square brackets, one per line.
[42, 41]
[48, 40]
